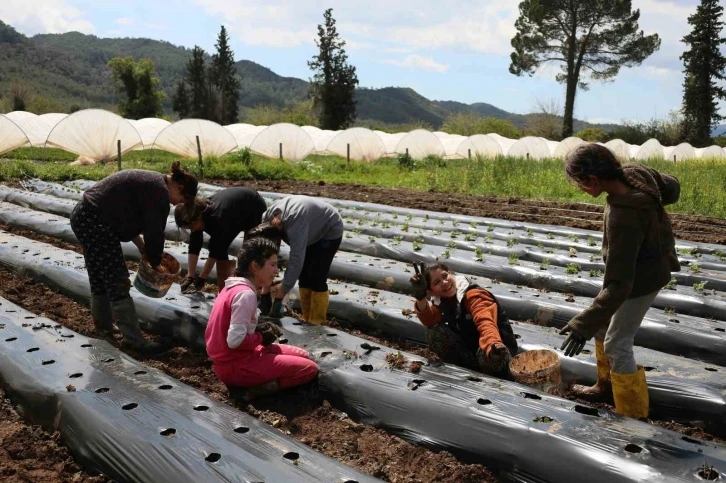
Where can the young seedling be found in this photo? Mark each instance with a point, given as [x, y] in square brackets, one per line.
[545, 264]
[490, 227]
[396, 240]
[596, 273]
[451, 244]
[572, 269]
[395, 216]
[426, 217]
[454, 234]
[409, 217]
[487, 239]
[698, 287]
[357, 231]
[672, 284]
[478, 254]
[595, 258]
[540, 245]
[669, 311]
[455, 223]
[417, 246]
[404, 227]
[446, 254]
[348, 235]
[573, 253]
[371, 238]
[361, 222]
[591, 241]
[438, 232]
[470, 237]
[720, 255]
[511, 242]
[530, 233]
[513, 259]
[550, 236]
[473, 224]
[694, 267]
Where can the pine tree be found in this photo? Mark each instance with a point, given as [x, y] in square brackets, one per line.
[197, 78]
[704, 66]
[225, 80]
[335, 81]
[139, 82]
[180, 100]
[595, 37]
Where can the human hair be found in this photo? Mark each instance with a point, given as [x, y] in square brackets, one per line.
[434, 266]
[265, 230]
[187, 213]
[593, 160]
[257, 250]
[184, 179]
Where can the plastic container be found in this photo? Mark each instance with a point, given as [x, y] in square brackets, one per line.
[156, 284]
[539, 369]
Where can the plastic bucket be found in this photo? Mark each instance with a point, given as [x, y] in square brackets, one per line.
[156, 284]
[539, 369]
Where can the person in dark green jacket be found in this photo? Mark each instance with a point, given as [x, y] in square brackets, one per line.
[639, 253]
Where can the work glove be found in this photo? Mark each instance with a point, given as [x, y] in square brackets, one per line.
[574, 343]
[498, 353]
[269, 331]
[418, 281]
[277, 309]
[265, 303]
[193, 284]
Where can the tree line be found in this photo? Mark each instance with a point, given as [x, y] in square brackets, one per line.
[591, 41]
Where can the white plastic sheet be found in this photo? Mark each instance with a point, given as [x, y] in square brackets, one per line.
[711, 152]
[682, 152]
[483, 145]
[365, 145]
[11, 136]
[535, 147]
[244, 133]
[24, 121]
[390, 141]
[567, 145]
[451, 143]
[149, 128]
[651, 149]
[321, 138]
[420, 143]
[93, 134]
[620, 148]
[181, 138]
[296, 143]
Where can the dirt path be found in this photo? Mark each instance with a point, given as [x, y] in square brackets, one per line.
[29, 454]
[305, 418]
[577, 215]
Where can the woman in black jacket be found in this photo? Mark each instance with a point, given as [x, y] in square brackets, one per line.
[121, 208]
[223, 216]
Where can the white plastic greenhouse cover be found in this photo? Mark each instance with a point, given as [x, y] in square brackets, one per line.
[711, 152]
[321, 139]
[149, 128]
[480, 145]
[181, 138]
[24, 120]
[567, 145]
[620, 148]
[552, 145]
[682, 152]
[651, 149]
[420, 143]
[390, 141]
[451, 142]
[244, 134]
[11, 136]
[296, 143]
[42, 126]
[537, 148]
[365, 145]
[93, 133]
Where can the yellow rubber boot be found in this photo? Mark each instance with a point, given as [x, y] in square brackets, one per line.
[305, 299]
[630, 392]
[601, 391]
[319, 308]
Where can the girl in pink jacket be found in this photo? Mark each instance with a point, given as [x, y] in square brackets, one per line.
[242, 350]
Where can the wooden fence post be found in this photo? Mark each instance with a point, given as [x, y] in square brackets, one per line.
[201, 164]
[118, 145]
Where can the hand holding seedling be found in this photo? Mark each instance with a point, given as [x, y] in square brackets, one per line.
[574, 343]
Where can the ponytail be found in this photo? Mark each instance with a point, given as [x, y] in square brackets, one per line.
[187, 213]
[186, 180]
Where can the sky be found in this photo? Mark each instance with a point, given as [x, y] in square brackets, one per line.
[458, 51]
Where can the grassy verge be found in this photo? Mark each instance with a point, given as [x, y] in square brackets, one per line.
[702, 182]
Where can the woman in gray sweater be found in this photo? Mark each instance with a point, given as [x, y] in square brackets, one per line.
[314, 230]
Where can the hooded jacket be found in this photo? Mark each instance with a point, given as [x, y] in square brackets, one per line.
[638, 245]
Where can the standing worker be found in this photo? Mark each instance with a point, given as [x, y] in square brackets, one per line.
[314, 231]
[224, 215]
[121, 208]
[639, 253]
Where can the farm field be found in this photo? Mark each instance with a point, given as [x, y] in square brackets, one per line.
[502, 244]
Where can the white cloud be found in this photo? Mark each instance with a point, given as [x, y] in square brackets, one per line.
[44, 16]
[418, 62]
[124, 21]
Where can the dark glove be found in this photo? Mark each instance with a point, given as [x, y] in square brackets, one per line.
[574, 343]
[265, 303]
[269, 331]
[186, 284]
[418, 282]
[499, 353]
[277, 309]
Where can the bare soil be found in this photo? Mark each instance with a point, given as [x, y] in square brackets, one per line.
[695, 228]
[29, 454]
[301, 415]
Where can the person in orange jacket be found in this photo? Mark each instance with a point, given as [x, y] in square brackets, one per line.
[466, 326]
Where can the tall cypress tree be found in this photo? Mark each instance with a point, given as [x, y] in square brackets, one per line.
[224, 77]
[704, 65]
[198, 84]
[180, 100]
[335, 81]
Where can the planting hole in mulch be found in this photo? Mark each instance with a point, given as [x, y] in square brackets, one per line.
[588, 411]
[241, 429]
[690, 440]
[483, 401]
[325, 354]
[76, 375]
[648, 368]
[366, 368]
[11, 339]
[165, 387]
[49, 362]
[102, 390]
[529, 395]
[633, 448]
[711, 369]
[85, 346]
[213, 457]
[708, 473]
[201, 407]
[474, 379]
[139, 373]
[416, 383]
[168, 432]
[33, 349]
[129, 406]
[110, 359]
[291, 455]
